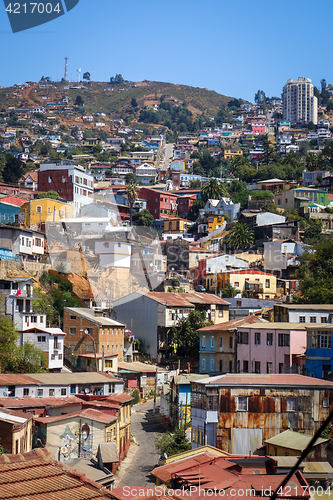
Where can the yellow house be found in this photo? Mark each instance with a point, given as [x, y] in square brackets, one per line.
[251, 282]
[37, 212]
[214, 222]
[176, 225]
[230, 153]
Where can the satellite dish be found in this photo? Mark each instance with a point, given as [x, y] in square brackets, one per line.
[86, 390]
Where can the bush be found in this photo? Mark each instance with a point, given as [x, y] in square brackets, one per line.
[136, 395]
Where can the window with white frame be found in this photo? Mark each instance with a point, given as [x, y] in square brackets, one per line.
[212, 365]
[203, 343]
[212, 341]
[242, 403]
[203, 364]
[291, 404]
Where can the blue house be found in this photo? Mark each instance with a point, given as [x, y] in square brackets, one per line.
[213, 142]
[180, 398]
[9, 213]
[319, 353]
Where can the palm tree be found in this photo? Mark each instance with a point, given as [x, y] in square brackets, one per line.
[213, 190]
[132, 194]
[241, 235]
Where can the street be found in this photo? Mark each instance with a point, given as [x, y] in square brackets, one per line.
[167, 157]
[144, 427]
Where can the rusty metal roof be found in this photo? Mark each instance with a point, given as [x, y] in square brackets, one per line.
[16, 379]
[119, 398]
[37, 475]
[232, 325]
[38, 402]
[270, 380]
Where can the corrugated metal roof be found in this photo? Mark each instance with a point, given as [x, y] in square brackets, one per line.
[137, 366]
[255, 379]
[16, 379]
[293, 440]
[37, 475]
[89, 314]
[185, 299]
[108, 452]
[38, 402]
[70, 378]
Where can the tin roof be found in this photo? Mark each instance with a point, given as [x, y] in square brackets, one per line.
[89, 314]
[70, 378]
[319, 307]
[137, 366]
[37, 475]
[185, 299]
[294, 440]
[270, 380]
[38, 402]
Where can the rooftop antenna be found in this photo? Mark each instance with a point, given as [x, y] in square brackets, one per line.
[66, 70]
[79, 70]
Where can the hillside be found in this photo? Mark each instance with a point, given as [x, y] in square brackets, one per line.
[115, 99]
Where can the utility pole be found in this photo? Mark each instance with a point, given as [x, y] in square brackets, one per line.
[185, 417]
[154, 411]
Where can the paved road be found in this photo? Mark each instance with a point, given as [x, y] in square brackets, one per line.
[167, 157]
[144, 427]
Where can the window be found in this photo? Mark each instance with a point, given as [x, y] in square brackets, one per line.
[203, 364]
[41, 338]
[269, 367]
[72, 331]
[6, 217]
[230, 342]
[302, 319]
[326, 402]
[313, 319]
[90, 331]
[40, 393]
[269, 339]
[242, 403]
[291, 404]
[38, 209]
[212, 365]
[63, 391]
[323, 319]
[204, 341]
[281, 368]
[257, 338]
[267, 283]
[245, 366]
[257, 367]
[26, 391]
[284, 339]
[72, 317]
[221, 342]
[230, 367]
[51, 392]
[236, 284]
[107, 347]
[243, 337]
[220, 313]
[212, 341]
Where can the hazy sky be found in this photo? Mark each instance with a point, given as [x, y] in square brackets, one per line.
[234, 47]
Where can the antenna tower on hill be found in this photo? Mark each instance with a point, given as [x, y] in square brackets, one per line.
[66, 70]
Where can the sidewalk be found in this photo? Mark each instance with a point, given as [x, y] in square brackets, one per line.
[125, 464]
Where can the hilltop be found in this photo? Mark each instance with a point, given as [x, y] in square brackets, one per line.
[125, 100]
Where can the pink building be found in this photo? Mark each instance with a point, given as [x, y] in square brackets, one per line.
[271, 348]
[258, 128]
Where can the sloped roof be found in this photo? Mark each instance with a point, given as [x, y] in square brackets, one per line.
[270, 380]
[232, 325]
[28, 402]
[89, 413]
[185, 299]
[37, 475]
[108, 452]
[293, 440]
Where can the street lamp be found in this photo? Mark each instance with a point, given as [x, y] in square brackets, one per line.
[89, 335]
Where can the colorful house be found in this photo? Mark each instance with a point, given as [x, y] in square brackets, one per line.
[230, 153]
[256, 284]
[37, 212]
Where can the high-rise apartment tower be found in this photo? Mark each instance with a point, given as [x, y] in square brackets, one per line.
[299, 102]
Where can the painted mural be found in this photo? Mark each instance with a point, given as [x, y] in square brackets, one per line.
[77, 441]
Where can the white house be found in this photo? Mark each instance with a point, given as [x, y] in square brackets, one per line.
[49, 340]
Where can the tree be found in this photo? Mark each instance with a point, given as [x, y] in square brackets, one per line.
[313, 232]
[12, 170]
[143, 218]
[228, 292]
[130, 177]
[213, 190]
[171, 444]
[185, 334]
[79, 101]
[323, 84]
[86, 76]
[241, 235]
[131, 192]
[25, 358]
[316, 274]
[53, 195]
[116, 79]
[134, 103]
[259, 97]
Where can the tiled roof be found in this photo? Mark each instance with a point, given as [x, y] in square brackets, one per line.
[38, 476]
[271, 380]
[90, 413]
[232, 325]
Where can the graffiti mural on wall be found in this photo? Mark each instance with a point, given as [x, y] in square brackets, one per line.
[77, 441]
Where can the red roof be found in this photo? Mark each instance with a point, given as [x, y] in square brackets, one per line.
[38, 402]
[232, 325]
[38, 476]
[119, 398]
[89, 413]
[185, 299]
[13, 200]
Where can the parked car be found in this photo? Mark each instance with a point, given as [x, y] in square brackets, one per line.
[200, 288]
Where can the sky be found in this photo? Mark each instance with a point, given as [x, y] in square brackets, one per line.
[234, 47]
